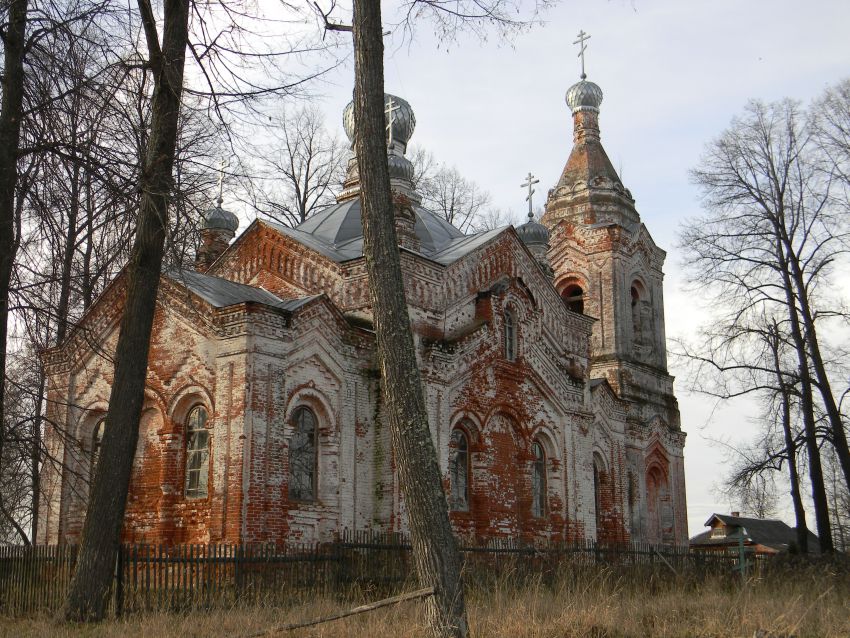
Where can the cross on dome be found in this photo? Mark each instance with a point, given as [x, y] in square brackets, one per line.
[529, 184]
[582, 38]
[391, 107]
[221, 166]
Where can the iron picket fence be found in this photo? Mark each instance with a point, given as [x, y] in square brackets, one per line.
[152, 577]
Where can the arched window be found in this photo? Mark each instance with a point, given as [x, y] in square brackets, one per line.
[510, 335]
[96, 443]
[302, 455]
[459, 471]
[573, 296]
[598, 469]
[197, 453]
[538, 481]
[636, 324]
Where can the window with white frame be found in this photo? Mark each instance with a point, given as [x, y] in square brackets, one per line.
[538, 480]
[510, 335]
[302, 455]
[459, 470]
[197, 453]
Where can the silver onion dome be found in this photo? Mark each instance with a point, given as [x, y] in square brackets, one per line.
[404, 121]
[400, 167]
[584, 95]
[533, 233]
[217, 218]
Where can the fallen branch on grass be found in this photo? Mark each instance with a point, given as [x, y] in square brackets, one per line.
[419, 593]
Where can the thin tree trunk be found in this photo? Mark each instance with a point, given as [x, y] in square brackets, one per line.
[815, 467]
[807, 402]
[88, 595]
[70, 248]
[10, 135]
[435, 548]
[35, 457]
[801, 528]
[836, 426]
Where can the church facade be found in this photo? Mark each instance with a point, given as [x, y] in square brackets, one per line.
[541, 347]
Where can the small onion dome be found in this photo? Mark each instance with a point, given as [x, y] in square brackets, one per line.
[219, 219]
[400, 167]
[584, 95]
[404, 121]
[533, 233]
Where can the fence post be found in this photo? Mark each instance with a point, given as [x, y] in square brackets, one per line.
[119, 581]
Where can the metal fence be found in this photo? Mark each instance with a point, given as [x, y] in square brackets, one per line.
[179, 577]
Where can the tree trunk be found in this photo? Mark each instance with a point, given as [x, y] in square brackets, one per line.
[69, 249]
[88, 595]
[807, 404]
[836, 426]
[35, 457]
[10, 135]
[434, 545]
[800, 528]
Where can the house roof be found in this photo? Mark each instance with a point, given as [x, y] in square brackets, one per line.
[771, 533]
[221, 293]
[337, 233]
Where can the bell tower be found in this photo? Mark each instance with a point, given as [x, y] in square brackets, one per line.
[607, 266]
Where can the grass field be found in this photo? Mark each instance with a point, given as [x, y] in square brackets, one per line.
[599, 603]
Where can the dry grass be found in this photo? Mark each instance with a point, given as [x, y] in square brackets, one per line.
[588, 604]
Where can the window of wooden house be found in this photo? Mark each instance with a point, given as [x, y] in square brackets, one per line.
[459, 471]
[538, 480]
[197, 453]
[718, 532]
[302, 455]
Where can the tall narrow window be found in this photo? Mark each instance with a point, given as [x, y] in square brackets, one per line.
[302, 456]
[510, 335]
[538, 481]
[597, 492]
[197, 453]
[96, 443]
[459, 471]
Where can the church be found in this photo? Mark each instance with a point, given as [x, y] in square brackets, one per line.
[542, 351]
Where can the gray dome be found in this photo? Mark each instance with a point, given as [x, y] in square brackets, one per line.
[339, 227]
[533, 233]
[584, 95]
[404, 121]
[219, 219]
[400, 167]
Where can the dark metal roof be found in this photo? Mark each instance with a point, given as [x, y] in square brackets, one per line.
[337, 233]
[221, 293]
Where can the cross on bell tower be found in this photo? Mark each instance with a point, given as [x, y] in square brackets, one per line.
[582, 38]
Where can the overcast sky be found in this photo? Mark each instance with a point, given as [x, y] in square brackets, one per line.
[673, 73]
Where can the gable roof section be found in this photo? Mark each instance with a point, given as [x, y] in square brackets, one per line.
[221, 293]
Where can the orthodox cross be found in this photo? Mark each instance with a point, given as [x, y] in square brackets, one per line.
[582, 38]
[221, 166]
[390, 109]
[529, 183]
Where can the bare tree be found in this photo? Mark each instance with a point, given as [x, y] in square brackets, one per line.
[767, 246]
[305, 167]
[459, 201]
